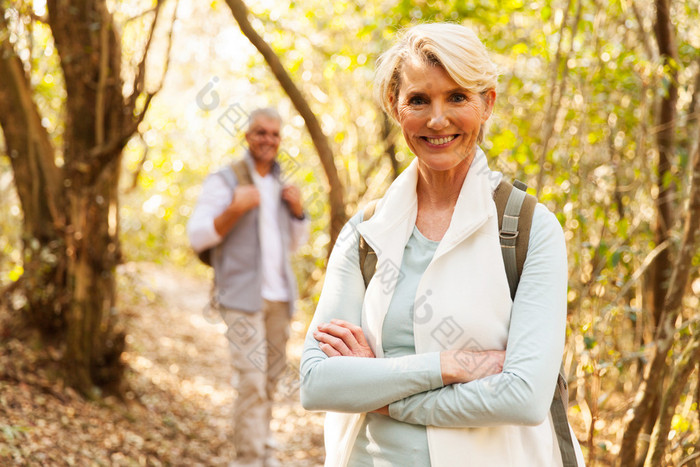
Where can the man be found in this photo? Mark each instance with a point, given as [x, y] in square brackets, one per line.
[249, 223]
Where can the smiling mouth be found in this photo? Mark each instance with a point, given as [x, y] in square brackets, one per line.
[439, 140]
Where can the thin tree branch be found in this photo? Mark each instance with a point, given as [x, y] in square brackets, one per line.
[102, 154]
[648, 260]
[240, 13]
[102, 81]
[643, 33]
[141, 15]
[168, 54]
[685, 460]
[140, 78]
[139, 167]
[14, 80]
[558, 88]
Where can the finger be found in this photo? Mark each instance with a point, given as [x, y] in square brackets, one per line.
[346, 324]
[338, 344]
[356, 331]
[291, 191]
[349, 333]
[353, 336]
[340, 332]
[328, 350]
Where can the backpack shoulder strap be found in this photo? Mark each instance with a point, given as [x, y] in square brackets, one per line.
[560, 420]
[242, 177]
[242, 172]
[515, 209]
[368, 258]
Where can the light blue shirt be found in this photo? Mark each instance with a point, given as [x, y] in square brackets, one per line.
[383, 441]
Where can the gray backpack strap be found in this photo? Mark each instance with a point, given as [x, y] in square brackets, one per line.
[561, 422]
[515, 209]
[509, 235]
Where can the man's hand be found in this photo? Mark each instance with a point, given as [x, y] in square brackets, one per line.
[245, 198]
[292, 196]
[340, 338]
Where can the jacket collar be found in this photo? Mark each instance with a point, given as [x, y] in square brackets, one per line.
[389, 229]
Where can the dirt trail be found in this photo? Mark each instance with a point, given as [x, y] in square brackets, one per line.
[177, 409]
[187, 348]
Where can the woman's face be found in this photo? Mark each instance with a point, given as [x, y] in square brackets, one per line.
[439, 119]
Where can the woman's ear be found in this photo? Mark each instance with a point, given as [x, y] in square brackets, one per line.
[393, 107]
[489, 98]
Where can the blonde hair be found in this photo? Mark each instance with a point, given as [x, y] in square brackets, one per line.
[453, 47]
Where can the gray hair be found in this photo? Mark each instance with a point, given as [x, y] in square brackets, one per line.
[264, 112]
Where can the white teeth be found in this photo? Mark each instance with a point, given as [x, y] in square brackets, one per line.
[443, 140]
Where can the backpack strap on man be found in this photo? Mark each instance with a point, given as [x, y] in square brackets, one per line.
[515, 209]
[241, 172]
[368, 258]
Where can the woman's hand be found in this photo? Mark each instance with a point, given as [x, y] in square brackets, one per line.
[463, 366]
[341, 338]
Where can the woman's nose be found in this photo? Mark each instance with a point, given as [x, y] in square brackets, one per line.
[437, 120]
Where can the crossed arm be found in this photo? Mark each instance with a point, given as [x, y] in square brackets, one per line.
[342, 338]
[339, 372]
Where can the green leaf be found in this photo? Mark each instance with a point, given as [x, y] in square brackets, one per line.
[590, 342]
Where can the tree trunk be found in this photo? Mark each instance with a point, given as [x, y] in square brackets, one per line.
[37, 179]
[672, 308]
[71, 243]
[661, 269]
[646, 411]
[93, 88]
[671, 396]
[325, 153]
[93, 346]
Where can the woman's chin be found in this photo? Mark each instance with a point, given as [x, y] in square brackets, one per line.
[441, 162]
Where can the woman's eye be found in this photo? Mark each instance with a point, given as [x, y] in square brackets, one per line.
[416, 100]
[459, 97]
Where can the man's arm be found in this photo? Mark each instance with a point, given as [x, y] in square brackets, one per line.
[245, 198]
[217, 203]
[299, 225]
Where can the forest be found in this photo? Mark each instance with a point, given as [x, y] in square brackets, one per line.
[113, 112]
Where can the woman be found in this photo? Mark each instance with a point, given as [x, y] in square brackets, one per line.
[434, 364]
